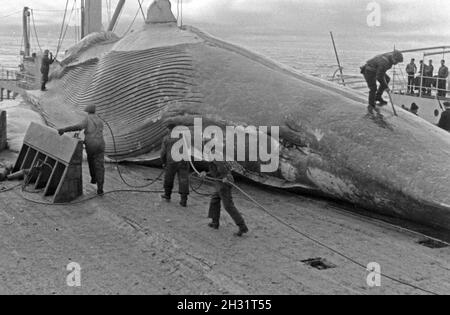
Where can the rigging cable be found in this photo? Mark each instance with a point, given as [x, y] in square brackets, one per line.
[142, 10]
[10, 14]
[62, 28]
[35, 31]
[132, 22]
[118, 164]
[67, 26]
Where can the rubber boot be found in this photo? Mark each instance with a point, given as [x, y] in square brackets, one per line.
[183, 202]
[243, 229]
[167, 196]
[381, 101]
[214, 225]
[100, 191]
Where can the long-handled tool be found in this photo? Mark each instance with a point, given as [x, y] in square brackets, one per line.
[392, 102]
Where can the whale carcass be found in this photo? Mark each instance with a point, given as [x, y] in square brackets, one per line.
[398, 167]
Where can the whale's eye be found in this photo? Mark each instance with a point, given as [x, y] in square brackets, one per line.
[436, 113]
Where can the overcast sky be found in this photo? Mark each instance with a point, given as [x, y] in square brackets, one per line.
[421, 17]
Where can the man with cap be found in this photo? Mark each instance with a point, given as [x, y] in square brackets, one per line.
[94, 144]
[444, 122]
[221, 172]
[174, 168]
[375, 70]
[411, 70]
[45, 68]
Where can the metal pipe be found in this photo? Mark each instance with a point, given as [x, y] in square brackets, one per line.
[438, 53]
[115, 17]
[425, 49]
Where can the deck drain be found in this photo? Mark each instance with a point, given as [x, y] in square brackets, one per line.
[432, 243]
[318, 263]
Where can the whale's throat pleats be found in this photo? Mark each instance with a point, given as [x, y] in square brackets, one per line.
[132, 90]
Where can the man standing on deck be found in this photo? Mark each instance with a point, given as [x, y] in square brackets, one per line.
[442, 79]
[174, 168]
[220, 171]
[94, 144]
[375, 70]
[45, 68]
[444, 122]
[411, 70]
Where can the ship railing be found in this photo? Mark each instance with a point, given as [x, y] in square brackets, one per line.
[422, 86]
[22, 79]
[7, 74]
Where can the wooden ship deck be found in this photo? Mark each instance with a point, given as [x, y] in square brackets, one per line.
[131, 242]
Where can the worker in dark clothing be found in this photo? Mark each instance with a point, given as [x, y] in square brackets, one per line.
[442, 77]
[428, 77]
[47, 60]
[411, 70]
[94, 144]
[223, 194]
[375, 70]
[174, 168]
[444, 122]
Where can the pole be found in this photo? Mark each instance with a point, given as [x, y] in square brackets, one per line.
[83, 19]
[421, 76]
[337, 58]
[392, 103]
[113, 22]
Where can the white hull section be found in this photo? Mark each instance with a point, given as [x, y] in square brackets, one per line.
[429, 108]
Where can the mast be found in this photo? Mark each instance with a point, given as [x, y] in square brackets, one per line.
[113, 22]
[91, 17]
[26, 32]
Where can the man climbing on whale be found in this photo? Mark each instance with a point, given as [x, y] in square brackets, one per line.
[376, 70]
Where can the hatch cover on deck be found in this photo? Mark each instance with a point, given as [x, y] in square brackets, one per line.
[432, 243]
[319, 263]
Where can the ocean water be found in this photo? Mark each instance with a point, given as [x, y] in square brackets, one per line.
[310, 53]
[11, 45]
